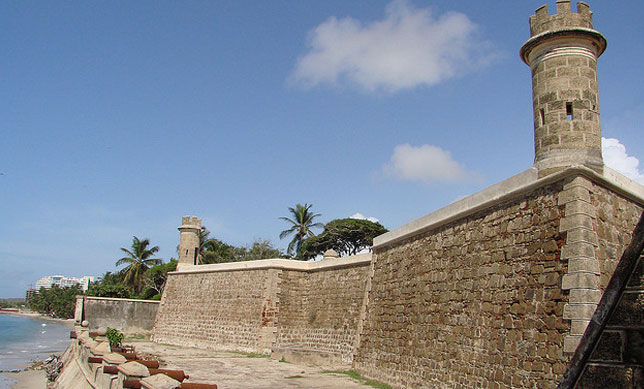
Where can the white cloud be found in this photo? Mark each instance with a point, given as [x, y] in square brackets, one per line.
[360, 216]
[615, 157]
[408, 48]
[425, 163]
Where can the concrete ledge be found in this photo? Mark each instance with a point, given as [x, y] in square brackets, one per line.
[512, 188]
[283, 264]
[318, 358]
[119, 299]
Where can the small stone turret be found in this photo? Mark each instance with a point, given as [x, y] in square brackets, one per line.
[562, 53]
[189, 241]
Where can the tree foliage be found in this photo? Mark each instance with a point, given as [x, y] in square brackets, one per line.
[56, 301]
[302, 221]
[111, 285]
[155, 279]
[346, 236]
[138, 260]
[12, 302]
[213, 250]
[260, 249]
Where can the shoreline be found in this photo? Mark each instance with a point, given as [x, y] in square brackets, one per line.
[35, 315]
[30, 375]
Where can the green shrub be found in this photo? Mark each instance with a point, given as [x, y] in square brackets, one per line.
[114, 336]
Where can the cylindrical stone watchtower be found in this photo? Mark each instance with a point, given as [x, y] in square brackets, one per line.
[562, 53]
[189, 241]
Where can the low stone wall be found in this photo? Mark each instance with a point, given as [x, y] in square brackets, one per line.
[305, 311]
[127, 315]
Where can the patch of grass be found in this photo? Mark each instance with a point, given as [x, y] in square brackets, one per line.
[137, 336]
[355, 375]
[295, 376]
[252, 355]
[282, 360]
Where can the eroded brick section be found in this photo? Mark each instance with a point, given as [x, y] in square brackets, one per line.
[319, 312]
[475, 303]
[234, 310]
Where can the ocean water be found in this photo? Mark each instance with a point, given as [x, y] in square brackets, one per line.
[25, 339]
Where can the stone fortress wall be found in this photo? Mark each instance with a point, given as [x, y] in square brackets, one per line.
[497, 296]
[297, 310]
[519, 285]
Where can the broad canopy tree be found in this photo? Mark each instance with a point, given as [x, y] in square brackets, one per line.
[346, 236]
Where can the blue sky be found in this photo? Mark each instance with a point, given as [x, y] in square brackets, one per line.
[118, 118]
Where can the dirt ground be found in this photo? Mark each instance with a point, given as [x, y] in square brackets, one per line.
[236, 370]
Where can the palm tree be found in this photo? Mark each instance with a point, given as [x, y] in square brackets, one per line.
[139, 260]
[211, 250]
[302, 222]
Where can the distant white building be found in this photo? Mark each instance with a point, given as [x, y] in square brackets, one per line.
[62, 281]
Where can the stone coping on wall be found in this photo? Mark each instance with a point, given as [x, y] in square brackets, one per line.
[119, 299]
[279, 263]
[508, 189]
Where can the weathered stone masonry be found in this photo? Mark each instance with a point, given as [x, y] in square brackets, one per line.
[490, 298]
[306, 311]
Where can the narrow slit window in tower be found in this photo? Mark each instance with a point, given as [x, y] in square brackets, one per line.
[569, 111]
[542, 115]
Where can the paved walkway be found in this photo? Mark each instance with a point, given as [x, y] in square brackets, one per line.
[235, 370]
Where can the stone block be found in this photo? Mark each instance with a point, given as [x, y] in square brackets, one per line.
[583, 265]
[133, 370]
[581, 235]
[578, 327]
[580, 207]
[574, 193]
[580, 296]
[579, 311]
[579, 83]
[160, 381]
[101, 348]
[576, 221]
[571, 342]
[580, 280]
[578, 250]
[114, 359]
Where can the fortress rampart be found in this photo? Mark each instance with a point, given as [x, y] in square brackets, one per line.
[496, 290]
[297, 310]
[533, 282]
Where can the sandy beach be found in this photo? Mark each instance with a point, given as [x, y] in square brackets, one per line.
[31, 375]
[28, 379]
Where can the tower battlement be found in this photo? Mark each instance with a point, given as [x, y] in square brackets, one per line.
[541, 21]
[188, 221]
